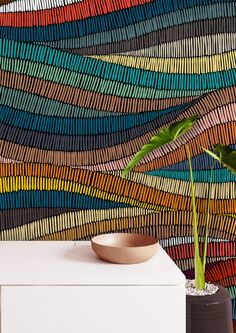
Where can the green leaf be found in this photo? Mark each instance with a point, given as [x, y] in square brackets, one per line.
[224, 155]
[227, 156]
[165, 136]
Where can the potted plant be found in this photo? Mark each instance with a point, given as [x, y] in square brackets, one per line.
[208, 306]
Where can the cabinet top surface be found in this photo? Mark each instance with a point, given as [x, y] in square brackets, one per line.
[75, 263]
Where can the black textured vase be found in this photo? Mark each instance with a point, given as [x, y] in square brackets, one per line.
[209, 314]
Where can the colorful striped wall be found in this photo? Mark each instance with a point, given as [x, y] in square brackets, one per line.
[83, 85]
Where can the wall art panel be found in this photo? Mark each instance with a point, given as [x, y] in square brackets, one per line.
[83, 85]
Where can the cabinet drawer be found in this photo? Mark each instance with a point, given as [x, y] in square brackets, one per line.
[93, 309]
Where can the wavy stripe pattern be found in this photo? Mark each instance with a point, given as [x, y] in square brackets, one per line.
[83, 85]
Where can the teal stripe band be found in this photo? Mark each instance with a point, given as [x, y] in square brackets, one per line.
[84, 126]
[201, 176]
[44, 106]
[114, 72]
[89, 82]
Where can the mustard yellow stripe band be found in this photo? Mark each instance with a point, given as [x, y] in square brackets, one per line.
[25, 183]
[194, 65]
[173, 186]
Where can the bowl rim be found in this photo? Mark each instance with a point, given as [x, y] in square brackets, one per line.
[154, 243]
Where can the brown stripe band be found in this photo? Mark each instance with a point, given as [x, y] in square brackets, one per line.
[85, 98]
[223, 133]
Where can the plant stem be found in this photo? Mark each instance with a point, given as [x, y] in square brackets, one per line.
[207, 219]
[198, 266]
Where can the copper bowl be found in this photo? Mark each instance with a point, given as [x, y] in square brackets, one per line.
[124, 248]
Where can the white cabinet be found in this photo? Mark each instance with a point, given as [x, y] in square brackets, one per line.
[62, 287]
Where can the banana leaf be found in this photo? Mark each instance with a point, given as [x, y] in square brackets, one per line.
[224, 155]
[166, 135]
